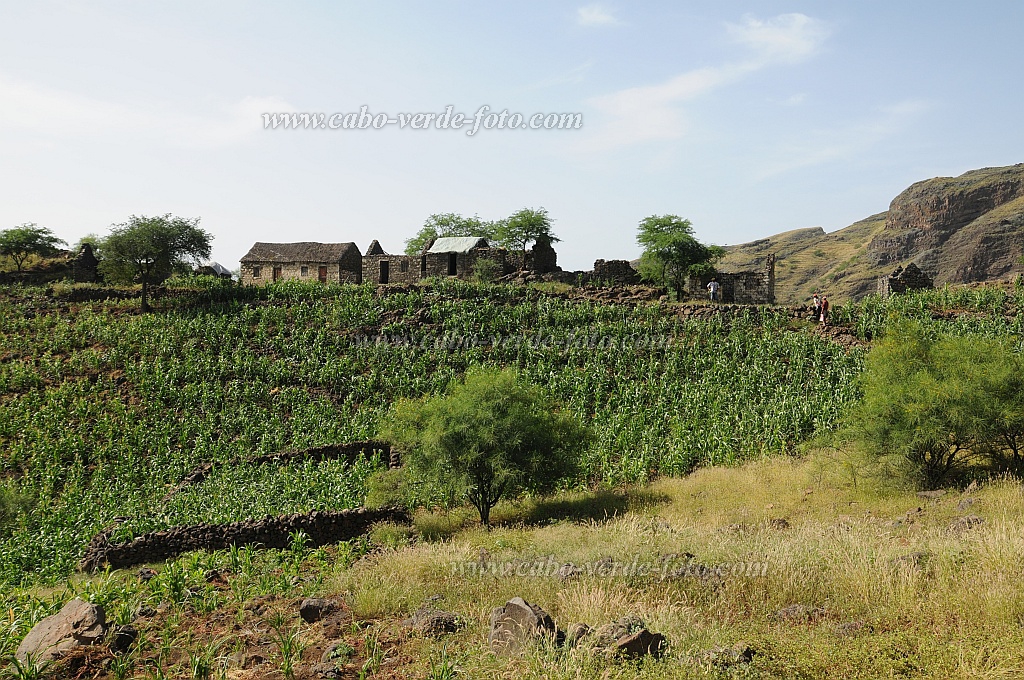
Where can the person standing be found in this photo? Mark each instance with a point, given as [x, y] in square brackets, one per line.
[824, 310]
[816, 307]
[713, 289]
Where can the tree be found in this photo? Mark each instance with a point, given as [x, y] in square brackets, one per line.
[671, 253]
[150, 249]
[520, 229]
[22, 242]
[934, 406]
[94, 240]
[447, 224]
[490, 437]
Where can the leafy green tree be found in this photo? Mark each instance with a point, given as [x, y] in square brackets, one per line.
[150, 249]
[95, 240]
[490, 437]
[22, 242]
[524, 227]
[671, 252]
[933, 407]
[448, 224]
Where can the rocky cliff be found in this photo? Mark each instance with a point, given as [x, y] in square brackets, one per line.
[956, 229]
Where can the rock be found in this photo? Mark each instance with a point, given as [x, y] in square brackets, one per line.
[327, 670]
[914, 560]
[639, 644]
[77, 624]
[576, 633]
[852, 628]
[145, 612]
[779, 523]
[965, 503]
[965, 523]
[435, 621]
[338, 649]
[799, 613]
[518, 624]
[313, 609]
[723, 657]
[146, 575]
[122, 639]
[610, 633]
[932, 495]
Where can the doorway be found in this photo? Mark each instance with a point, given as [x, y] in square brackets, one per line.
[385, 267]
[453, 264]
[321, 274]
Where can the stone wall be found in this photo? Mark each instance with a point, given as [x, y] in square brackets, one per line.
[542, 258]
[85, 266]
[322, 527]
[743, 288]
[615, 272]
[400, 268]
[903, 280]
[349, 271]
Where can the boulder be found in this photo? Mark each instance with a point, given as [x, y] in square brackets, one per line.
[122, 638]
[639, 644]
[313, 609]
[77, 624]
[435, 621]
[965, 523]
[518, 624]
[629, 638]
[723, 657]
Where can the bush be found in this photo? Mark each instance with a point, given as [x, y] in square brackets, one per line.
[490, 438]
[933, 408]
[486, 270]
[12, 504]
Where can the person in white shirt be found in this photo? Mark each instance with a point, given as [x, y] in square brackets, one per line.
[713, 289]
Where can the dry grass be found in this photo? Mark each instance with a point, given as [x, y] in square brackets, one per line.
[958, 613]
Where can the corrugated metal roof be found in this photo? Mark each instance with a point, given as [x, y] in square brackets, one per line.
[306, 251]
[458, 244]
[217, 267]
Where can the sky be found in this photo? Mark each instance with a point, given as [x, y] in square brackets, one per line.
[747, 118]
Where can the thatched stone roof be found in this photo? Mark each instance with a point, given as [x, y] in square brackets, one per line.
[306, 251]
[375, 249]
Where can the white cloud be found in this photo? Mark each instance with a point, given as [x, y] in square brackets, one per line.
[845, 141]
[595, 15]
[788, 38]
[52, 113]
[653, 112]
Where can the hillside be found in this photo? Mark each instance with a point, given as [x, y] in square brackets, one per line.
[957, 229]
[225, 405]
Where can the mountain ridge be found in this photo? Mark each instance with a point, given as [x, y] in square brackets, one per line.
[960, 229]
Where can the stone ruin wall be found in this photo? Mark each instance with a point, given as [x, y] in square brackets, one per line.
[742, 288]
[322, 528]
[903, 280]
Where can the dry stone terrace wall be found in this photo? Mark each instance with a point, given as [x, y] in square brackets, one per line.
[322, 528]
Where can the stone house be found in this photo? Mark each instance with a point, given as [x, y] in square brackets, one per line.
[904, 279]
[744, 288]
[305, 261]
[446, 256]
